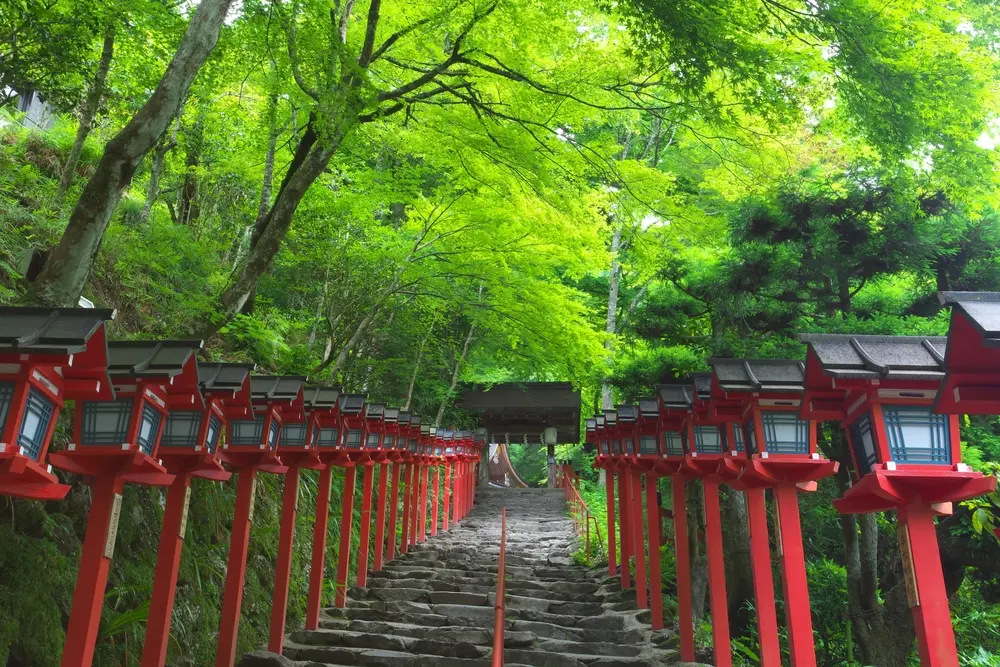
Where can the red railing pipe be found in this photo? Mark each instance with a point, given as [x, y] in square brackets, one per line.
[499, 604]
[582, 517]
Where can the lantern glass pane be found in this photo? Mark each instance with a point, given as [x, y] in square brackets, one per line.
[737, 438]
[247, 432]
[437, 451]
[293, 435]
[373, 440]
[328, 437]
[673, 444]
[213, 433]
[750, 435]
[449, 450]
[605, 449]
[629, 445]
[647, 445]
[106, 422]
[353, 439]
[863, 441]
[38, 413]
[181, 429]
[273, 434]
[707, 440]
[6, 398]
[785, 433]
[149, 428]
[413, 445]
[388, 441]
[917, 435]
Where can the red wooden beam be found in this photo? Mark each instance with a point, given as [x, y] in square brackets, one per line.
[366, 524]
[685, 620]
[763, 580]
[609, 484]
[239, 542]
[283, 568]
[716, 575]
[344, 549]
[929, 599]
[446, 492]
[624, 537]
[653, 530]
[314, 600]
[798, 614]
[393, 512]
[434, 503]
[382, 500]
[404, 542]
[92, 577]
[638, 538]
[168, 558]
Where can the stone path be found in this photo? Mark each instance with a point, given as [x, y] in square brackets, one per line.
[434, 606]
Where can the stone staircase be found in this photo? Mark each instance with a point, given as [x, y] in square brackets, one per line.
[433, 607]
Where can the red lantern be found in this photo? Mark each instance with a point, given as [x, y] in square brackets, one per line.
[47, 356]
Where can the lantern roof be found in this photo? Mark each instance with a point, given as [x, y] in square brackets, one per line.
[391, 415]
[879, 357]
[702, 385]
[757, 375]
[611, 417]
[150, 358]
[61, 331]
[321, 398]
[374, 410]
[591, 425]
[627, 413]
[675, 396]
[403, 419]
[414, 419]
[276, 387]
[649, 407]
[601, 421]
[352, 403]
[982, 309]
[223, 377]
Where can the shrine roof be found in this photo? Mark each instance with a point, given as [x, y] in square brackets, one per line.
[676, 396]
[223, 377]
[521, 411]
[150, 358]
[50, 330]
[879, 357]
[982, 309]
[756, 375]
[276, 387]
[321, 397]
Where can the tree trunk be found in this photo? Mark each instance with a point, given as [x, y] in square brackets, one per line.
[188, 208]
[272, 145]
[155, 171]
[416, 366]
[844, 293]
[607, 400]
[265, 249]
[319, 310]
[65, 274]
[455, 373]
[739, 575]
[89, 111]
[699, 560]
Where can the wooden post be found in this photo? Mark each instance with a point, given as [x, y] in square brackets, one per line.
[685, 621]
[763, 580]
[638, 538]
[609, 488]
[283, 569]
[366, 524]
[624, 538]
[415, 504]
[393, 513]
[315, 597]
[381, 501]
[168, 558]
[925, 588]
[716, 575]
[456, 494]
[653, 530]
[434, 503]
[404, 543]
[239, 542]
[798, 615]
[344, 549]
[446, 493]
[422, 523]
[92, 577]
